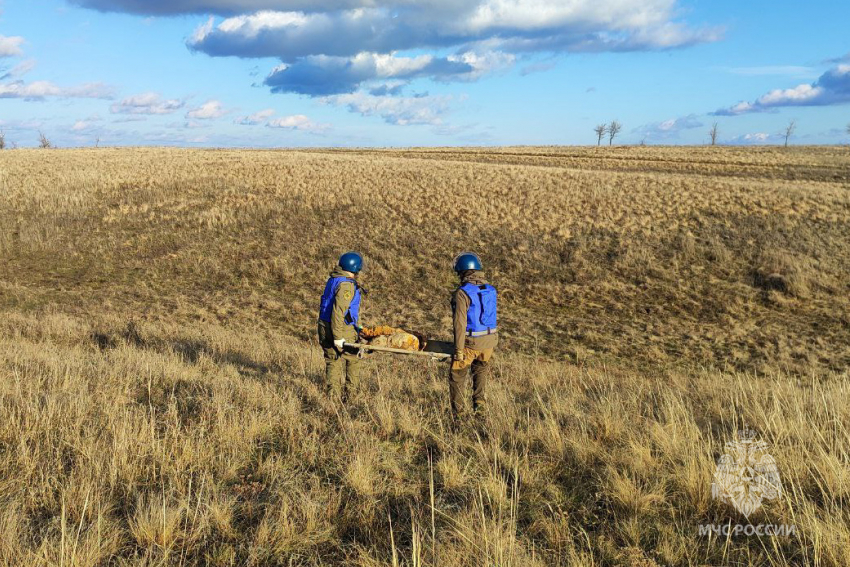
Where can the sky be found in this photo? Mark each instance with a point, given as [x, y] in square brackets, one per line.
[287, 73]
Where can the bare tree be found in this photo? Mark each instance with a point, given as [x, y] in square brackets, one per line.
[602, 129]
[715, 129]
[613, 129]
[789, 130]
[848, 128]
[43, 141]
[2, 140]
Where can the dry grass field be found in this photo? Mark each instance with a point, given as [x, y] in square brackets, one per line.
[161, 395]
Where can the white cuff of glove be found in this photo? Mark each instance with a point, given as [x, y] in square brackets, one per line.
[339, 344]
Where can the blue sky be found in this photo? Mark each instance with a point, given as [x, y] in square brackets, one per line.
[267, 73]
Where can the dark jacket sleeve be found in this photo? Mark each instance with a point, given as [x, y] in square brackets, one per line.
[460, 307]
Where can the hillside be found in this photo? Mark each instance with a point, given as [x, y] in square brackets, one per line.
[161, 391]
[733, 258]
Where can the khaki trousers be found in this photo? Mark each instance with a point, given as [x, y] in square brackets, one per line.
[342, 370]
[479, 362]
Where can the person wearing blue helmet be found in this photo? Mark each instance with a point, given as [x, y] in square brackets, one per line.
[339, 323]
[476, 333]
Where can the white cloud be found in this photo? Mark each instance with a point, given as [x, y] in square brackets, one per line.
[222, 7]
[257, 118]
[669, 129]
[252, 25]
[480, 64]
[208, 111]
[755, 138]
[833, 87]
[147, 103]
[10, 46]
[740, 108]
[388, 88]
[21, 125]
[298, 122]
[129, 118]
[38, 90]
[519, 25]
[396, 110]
[329, 50]
[175, 137]
[86, 124]
[194, 124]
[19, 70]
[202, 31]
[320, 75]
[801, 94]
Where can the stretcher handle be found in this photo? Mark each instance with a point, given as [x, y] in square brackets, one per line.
[361, 347]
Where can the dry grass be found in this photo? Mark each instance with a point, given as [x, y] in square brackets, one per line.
[227, 453]
[161, 406]
[640, 254]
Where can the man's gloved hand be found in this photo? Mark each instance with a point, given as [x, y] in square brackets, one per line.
[458, 356]
[359, 329]
[339, 344]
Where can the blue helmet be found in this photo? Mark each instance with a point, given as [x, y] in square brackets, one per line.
[351, 262]
[467, 261]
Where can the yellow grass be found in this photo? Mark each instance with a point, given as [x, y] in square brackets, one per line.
[162, 402]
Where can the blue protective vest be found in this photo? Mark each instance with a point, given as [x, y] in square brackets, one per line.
[482, 309]
[327, 304]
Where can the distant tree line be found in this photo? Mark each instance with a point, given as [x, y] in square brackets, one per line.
[611, 130]
[43, 141]
[792, 125]
[614, 128]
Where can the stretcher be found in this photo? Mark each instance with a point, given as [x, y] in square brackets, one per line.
[435, 350]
